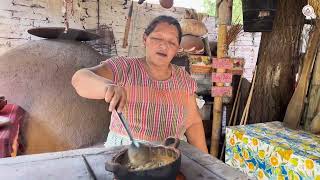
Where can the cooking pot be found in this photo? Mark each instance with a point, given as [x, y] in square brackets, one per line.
[192, 44]
[166, 3]
[169, 171]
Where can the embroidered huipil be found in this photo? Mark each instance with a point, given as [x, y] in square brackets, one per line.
[154, 109]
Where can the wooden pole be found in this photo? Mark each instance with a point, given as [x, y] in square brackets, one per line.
[127, 27]
[224, 8]
[233, 116]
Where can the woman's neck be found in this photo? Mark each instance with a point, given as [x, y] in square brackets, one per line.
[159, 73]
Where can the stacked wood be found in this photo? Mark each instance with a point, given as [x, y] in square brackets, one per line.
[297, 103]
[313, 106]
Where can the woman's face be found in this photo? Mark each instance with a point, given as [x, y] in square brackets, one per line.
[161, 44]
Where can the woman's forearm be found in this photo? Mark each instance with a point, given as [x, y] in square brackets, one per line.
[90, 85]
[196, 137]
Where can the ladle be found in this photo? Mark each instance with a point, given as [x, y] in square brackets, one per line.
[138, 153]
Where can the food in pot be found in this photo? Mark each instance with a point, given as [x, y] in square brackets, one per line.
[156, 161]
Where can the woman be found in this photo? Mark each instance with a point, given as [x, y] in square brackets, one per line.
[156, 97]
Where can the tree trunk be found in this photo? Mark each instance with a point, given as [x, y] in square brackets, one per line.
[277, 62]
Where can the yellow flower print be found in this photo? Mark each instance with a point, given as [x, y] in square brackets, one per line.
[278, 170]
[294, 176]
[241, 160]
[239, 135]
[261, 154]
[251, 166]
[231, 141]
[255, 142]
[280, 177]
[294, 162]
[317, 177]
[274, 161]
[236, 157]
[245, 140]
[245, 154]
[287, 154]
[260, 174]
[309, 164]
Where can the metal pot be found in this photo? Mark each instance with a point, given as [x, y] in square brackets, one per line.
[169, 171]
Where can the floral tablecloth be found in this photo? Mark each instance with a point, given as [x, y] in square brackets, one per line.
[271, 151]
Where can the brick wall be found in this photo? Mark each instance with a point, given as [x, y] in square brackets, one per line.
[17, 16]
[246, 46]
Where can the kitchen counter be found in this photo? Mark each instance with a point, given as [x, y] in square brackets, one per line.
[70, 165]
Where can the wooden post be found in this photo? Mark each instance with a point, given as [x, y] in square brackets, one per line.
[224, 8]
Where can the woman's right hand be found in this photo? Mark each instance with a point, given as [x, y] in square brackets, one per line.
[116, 97]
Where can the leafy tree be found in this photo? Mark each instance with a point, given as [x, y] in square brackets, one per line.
[210, 8]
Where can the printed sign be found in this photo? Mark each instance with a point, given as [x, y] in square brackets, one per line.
[232, 65]
[225, 91]
[222, 63]
[222, 77]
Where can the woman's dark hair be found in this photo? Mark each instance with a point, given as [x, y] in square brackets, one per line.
[167, 19]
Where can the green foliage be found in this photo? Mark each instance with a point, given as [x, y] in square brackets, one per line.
[210, 8]
[237, 12]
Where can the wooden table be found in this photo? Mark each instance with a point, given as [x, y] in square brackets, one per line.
[71, 165]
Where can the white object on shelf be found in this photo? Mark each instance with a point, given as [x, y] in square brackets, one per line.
[200, 102]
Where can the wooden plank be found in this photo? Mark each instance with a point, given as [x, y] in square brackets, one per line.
[97, 163]
[58, 165]
[235, 71]
[314, 94]
[57, 155]
[296, 104]
[194, 171]
[70, 165]
[71, 168]
[221, 91]
[222, 77]
[218, 169]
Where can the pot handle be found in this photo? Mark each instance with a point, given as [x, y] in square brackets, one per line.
[115, 168]
[172, 142]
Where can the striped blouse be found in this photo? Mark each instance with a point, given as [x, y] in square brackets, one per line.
[154, 109]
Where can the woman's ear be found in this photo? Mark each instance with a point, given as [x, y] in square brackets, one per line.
[144, 39]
